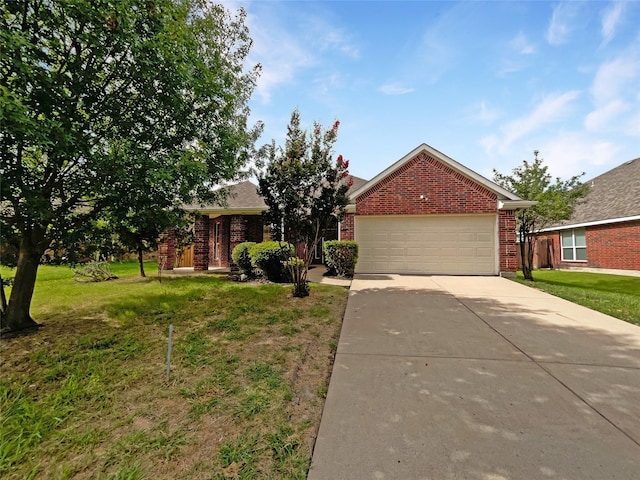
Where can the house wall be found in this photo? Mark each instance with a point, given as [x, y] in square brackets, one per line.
[445, 190]
[614, 246]
[508, 248]
[347, 227]
[233, 230]
[167, 248]
[201, 243]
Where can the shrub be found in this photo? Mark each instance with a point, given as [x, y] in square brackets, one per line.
[93, 272]
[297, 269]
[269, 257]
[240, 256]
[341, 256]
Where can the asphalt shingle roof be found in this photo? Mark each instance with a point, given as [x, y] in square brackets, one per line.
[614, 194]
[245, 196]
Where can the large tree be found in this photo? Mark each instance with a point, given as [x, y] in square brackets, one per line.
[555, 199]
[305, 191]
[102, 101]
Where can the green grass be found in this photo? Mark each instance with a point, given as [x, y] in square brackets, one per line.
[87, 394]
[615, 295]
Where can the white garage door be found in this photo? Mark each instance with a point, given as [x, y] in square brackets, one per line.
[438, 244]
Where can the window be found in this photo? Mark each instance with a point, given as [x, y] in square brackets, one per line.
[574, 245]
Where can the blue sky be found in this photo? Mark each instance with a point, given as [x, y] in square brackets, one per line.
[486, 83]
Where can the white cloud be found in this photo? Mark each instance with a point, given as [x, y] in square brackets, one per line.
[286, 53]
[489, 143]
[599, 119]
[521, 45]
[561, 26]
[484, 113]
[614, 77]
[632, 127]
[610, 20]
[572, 153]
[615, 93]
[551, 109]
[395, 89]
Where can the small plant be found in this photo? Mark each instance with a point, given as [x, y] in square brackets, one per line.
[269, 257]
[298, 271]
[240, 256]
[93, 272]
[341, 256]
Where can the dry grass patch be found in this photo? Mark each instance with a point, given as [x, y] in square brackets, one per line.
[86, 395]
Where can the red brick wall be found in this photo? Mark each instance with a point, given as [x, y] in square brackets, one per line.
[613, 246]
[347, 227]
[445, 190]
[201, 243]
[507, 241]
[167, 248]
[225, 233]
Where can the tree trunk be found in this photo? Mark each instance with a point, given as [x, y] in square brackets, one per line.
[140, 262]
[17, 315]
[525, 258]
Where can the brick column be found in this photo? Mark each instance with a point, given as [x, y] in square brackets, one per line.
[167, 249]
[507, 241]
[238, 234]
[201, 243]
[347, 230]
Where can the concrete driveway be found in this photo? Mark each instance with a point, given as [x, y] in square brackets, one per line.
[478, 378]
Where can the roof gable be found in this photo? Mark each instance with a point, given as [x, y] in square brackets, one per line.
[425, 149]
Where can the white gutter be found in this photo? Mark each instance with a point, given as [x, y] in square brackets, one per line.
[590, 224]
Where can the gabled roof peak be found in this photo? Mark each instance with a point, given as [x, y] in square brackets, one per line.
[501, 193]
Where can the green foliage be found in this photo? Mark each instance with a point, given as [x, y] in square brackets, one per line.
[270, 258]
[304, 189]
[555, 202]
[90, 392]
[240, 256]
[116, 111]
[341, 256]
[615, 295]
[93, 272]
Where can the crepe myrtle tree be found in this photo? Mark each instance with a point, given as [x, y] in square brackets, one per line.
[555, 202]
[96, 96]
[305, 191]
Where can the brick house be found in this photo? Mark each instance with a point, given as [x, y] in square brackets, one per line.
[428, 214]
[219, 228]
[603, 234]
[425, 214]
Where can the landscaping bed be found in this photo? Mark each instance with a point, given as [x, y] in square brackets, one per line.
[86, 395]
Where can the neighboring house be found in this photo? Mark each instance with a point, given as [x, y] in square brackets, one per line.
[603, 233]
[425, 214]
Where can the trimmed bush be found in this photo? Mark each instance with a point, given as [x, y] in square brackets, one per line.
[269, 257]
[341, 256]
[240, 256]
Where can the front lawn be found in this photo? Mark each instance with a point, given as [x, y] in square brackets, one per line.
[86, 396]
[615, 295]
